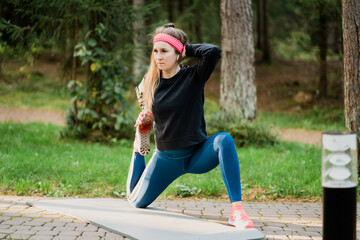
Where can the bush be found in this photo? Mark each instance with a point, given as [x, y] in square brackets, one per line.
[296, 47]
[100, 111]
[244, 132]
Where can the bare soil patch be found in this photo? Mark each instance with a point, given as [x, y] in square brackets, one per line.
[300, 135]
[32, 115]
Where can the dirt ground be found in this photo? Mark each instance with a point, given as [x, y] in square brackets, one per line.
[32, 115]
[289, 85]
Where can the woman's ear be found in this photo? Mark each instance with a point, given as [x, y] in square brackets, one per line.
[178, 57]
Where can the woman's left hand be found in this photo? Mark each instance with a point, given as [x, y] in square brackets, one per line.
[140, 119]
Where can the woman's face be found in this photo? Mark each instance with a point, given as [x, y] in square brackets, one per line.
[165, 56]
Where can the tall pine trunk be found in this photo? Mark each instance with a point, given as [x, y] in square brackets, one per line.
[266, 45]
[74, 65]
[258, 25]
[237, 88]
[171, 10]
[323, 49]
[351, 39]
[139, 41]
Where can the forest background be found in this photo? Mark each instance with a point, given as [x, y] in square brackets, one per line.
[88, 56]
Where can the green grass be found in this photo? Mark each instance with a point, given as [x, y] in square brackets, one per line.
[288, 169]
[32, 90]
[321, 119]
[34, 161]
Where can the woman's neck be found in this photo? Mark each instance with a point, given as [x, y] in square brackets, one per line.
[171, 72]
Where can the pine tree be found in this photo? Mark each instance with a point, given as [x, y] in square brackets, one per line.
[238, 90]
[351, 35]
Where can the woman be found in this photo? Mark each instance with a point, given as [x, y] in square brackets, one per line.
[172, 96]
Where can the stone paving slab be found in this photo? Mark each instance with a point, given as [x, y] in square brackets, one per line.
[274, 220]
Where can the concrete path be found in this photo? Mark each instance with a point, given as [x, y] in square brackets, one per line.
[274, 220]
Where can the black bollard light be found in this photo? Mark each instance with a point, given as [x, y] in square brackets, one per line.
[339, 182]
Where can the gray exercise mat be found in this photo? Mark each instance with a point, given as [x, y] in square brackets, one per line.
[118, 216]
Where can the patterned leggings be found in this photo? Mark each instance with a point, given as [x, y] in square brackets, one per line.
[146, 183]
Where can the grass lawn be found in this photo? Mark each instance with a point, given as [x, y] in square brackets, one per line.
[320, 119]
[29, 90]
[34, 161]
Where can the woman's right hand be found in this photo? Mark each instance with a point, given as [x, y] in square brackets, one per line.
[142, 115]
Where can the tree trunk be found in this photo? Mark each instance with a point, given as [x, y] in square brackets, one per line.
[340, 45]
[170, 10]
[258, 25]
[197, 28]
[1, 63]
[323, 49]
[139, 41]
[266, 47]
[339, 30]
[74, 67]
[351, 39]
[2, 5]
[237, 88]
[182, 7]
[1, 53]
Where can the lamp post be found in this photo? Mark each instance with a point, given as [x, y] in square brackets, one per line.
[339, 182]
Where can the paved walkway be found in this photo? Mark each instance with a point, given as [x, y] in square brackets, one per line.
[274, 220]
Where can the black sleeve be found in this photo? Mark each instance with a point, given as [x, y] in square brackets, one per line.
[209, 54]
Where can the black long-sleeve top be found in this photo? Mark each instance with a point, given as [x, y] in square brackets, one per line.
[178, 107]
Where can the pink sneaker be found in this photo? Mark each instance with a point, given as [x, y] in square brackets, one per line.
[239, 218]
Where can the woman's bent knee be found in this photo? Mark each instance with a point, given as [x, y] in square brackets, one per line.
[223, 139]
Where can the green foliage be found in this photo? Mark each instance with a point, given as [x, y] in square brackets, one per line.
[296, 47]
[56, 26]
[103, 113]
[183, 191]
[245, 133]
[3, 45]
[50, 21]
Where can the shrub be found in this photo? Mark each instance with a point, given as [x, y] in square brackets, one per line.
[183, 191]
[244, 132]
[296, 47]
[99, 112]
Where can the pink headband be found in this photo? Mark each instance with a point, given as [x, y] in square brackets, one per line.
[163, 37]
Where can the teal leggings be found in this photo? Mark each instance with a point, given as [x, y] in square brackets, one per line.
[146, 183]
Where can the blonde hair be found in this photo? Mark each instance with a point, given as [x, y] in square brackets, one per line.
[152, 77]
